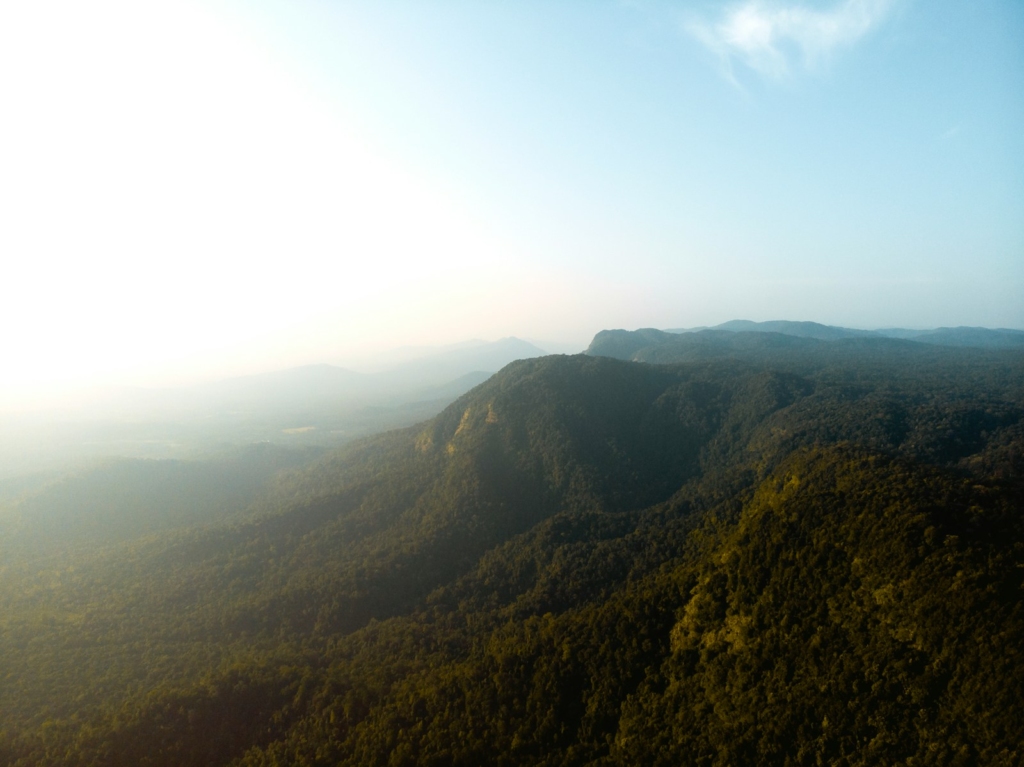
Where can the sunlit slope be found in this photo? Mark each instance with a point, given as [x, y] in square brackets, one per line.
[860, 610]
[855, 610]
[505, 583]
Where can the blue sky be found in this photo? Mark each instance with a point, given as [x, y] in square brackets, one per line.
[199, 188]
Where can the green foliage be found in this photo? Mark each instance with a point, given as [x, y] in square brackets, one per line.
[861, 611]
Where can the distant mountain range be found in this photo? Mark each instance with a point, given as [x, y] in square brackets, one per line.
[986, 338]
[449, 364]
[444, 373]
[311, 405]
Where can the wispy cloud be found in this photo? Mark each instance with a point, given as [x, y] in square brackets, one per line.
[775, 39]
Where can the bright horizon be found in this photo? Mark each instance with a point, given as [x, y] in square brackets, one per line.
[200, 189]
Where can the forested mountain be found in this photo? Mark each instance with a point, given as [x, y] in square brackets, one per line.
[764, 549]
[816, 347]
[790, 328]
[988, 338]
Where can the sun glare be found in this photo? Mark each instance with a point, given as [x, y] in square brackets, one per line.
[172, 190]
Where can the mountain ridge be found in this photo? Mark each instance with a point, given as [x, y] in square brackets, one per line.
[943, 336]
[650, 345]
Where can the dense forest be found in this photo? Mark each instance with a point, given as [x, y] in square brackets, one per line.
[712, 548]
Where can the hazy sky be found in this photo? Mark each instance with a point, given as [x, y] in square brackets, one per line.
[209, 187]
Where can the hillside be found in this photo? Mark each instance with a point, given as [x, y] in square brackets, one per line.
[121, 499]
[772, 548]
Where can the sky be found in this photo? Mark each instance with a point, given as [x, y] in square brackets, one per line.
[196, 189]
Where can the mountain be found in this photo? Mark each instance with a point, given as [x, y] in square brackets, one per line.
[623, 344]
[781, 548]
[800, 329]
[985, 338]
[1000, 338]
[742, 337]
